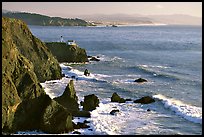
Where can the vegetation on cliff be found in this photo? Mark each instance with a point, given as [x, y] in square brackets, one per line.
[25, 61]
[16, 33]
[42, 20]
[67, 53]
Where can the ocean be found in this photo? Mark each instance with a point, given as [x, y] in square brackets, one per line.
[168, 57]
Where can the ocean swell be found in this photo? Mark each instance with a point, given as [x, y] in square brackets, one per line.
[191, 113]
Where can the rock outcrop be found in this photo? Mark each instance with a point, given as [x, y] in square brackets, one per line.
[69, 100]
[145, 100]
[67, 53]
[90, 102]
[25, 105]
[140, 80]
[116, 98]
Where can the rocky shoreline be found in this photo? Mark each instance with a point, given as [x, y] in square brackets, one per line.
[26, 62]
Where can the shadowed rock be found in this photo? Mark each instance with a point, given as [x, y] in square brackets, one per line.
[116, 98]
[145, 100]
[114, 111]
[140, 80]
[69, 99]
[90, 102]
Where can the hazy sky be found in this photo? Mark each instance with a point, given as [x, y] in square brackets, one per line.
[68, 9]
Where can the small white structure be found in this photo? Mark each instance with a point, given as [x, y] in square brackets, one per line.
[61, 40]
[71, 42]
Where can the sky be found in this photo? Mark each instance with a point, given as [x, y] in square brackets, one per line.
[71, 9]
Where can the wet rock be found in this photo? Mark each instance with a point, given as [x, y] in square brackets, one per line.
[145, 100]
[94, 59]
[114, 111]
[128, 99]
[76, 132]
[140, 80]
[116, 98]
[90, 102]
[148, 109]
[81, 125]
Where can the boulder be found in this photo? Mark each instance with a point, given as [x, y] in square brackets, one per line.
[56, 119]
[90, 102]
[94, 59]
[145, 100]
[140, 80]
[116, 98]
[114, 111]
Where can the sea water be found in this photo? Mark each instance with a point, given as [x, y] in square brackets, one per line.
[168, 57]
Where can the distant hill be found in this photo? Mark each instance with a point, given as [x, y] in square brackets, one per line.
[42, 20]
[175, 19]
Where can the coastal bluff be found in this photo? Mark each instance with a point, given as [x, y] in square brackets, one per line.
[26, 62]
[67, 53]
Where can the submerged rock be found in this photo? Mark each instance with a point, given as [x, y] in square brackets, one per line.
[145, 100]
[90, 102]
[94, 59]
[139, 80]
[114, 111]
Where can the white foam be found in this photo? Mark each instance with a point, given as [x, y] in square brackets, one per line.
[152, 66]
[191, 113]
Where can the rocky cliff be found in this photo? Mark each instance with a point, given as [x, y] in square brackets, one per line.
[18, 34]
[25, 61]
[67, 53]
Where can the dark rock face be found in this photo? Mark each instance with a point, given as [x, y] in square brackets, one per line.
[139, 80]
[114, 111]
[25, 105]
[67, 53]
[90, 102]
[145, 100]
[116, 98]
[69, 99]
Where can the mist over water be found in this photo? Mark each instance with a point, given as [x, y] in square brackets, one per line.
[169, 57]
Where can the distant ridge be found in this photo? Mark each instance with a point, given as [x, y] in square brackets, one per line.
[43, 20]
[174, 19]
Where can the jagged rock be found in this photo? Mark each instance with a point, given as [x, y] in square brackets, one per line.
[139, 80]
[69, 99]
[67, 53]
[56, 119]
[145, 100]
[116, 98]
[90, 102]
[114, 111]
[94, 59]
